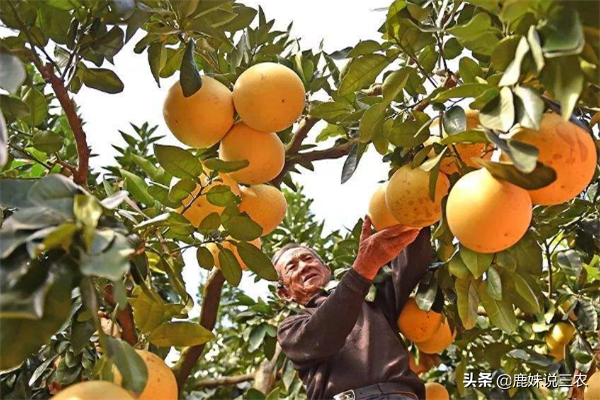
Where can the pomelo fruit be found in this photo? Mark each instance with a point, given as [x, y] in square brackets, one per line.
[161, 383]
[592, 391]
[441, 339]
[93, 390]
[380, 214]
[264, 151]
[566, 148]
[265, 204]
[562, 333]
[418, 325]
[202, 119]
[486, 214]
[214, 249]
[435, 391]
[407, 197]
[269, 97]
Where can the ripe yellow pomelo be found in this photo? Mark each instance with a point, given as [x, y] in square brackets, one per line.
[441, 339]
[565, 306]
[435, 391]
[93, 390]
[201, 207]
[486, 214]
[562, 333]
[407, 197]
[380, 214]
[566, 148]
[592, 391]
[465, 150]
[264, 151]
[269, 97]
[202, 119]
[161, 383]
[265, 204]
[214, 249]
[418, 325]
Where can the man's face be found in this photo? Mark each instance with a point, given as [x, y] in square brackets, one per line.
[302, 274]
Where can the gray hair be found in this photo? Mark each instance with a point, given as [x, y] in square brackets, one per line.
[279, 253]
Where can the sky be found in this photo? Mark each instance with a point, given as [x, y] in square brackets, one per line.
[340, 23]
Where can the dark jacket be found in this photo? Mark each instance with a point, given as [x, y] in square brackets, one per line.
[341, 342]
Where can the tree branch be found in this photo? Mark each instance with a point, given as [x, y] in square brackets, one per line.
[208, 318]
[301, 133]
[227, 380]
[124, 316]
[336, 151]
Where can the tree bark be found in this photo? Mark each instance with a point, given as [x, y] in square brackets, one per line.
[124, 316]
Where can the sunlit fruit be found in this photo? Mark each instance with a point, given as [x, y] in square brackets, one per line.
[202, 119]
[565, 306]
[465, 150]
[269, 97]
[435, 391]
[161, 383]
[441, 339]
[418, 325]
[201, 207]
[214, 249]
[592, 391]
[264, 151]
[93, 390]
[566, 148]
[265, 204]
[407, 197]
[379, 213]
[562, 333]
[486, 214]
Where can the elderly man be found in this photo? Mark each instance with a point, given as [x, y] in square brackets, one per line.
[343, 346]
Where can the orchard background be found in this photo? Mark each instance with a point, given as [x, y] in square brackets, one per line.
[87, 252]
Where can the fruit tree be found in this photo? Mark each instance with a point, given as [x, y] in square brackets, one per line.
[485, 111]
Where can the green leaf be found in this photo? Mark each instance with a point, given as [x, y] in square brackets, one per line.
[257, 261]
[464, 90]
[22, 337]
[458, 268]
[245, 16]
[12, 72]
[489, 5]
[157, 59]
[330, 131]
[540, 177]
[526, 292]
[47, 141]
[484, 98]
[136, 186]
[181, 189]
[180, 333]
[467, 301]
[110, 262]
[454, 120]
[257, 335]
[102, 79]
[351, 162]
[362, 72]
[32, 218]
[478, 35]
[523, 155]
[38, 108]
[161, 195]
[210, 223]
[371, 122]
[461, 370]
[513, 71]
[564, 80]
[428, 58]
[477, 263]
[469, 70]
[570, 262]
[205, 258]
[504, 52]
[189, 76]
[241, 227]
[494, 284]
[563, 33]
[529, 107]
[526, 254]
[178, 162]
[364, 47]
[452, 49]
[222, 196]
[470, 136]
[149, 311]
[409, 133]
[331, 110]
[501, 313]
[499, 114]
[215, 164]
[393, 85]
[533, 38]
[131, 366]
[229, 265]
[56, 192]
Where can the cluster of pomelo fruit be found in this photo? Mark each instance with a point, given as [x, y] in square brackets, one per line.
[267, 98]
[487, 214]
[161, 384]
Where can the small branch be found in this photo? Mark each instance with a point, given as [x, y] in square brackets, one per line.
[228, 380]
[29, 156]
[301, 133]
[336, 151]
[124, 316]
[208, 318]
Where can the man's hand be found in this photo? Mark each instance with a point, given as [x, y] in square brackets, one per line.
[376, 250]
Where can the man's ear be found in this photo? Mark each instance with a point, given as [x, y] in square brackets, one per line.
[283, 293]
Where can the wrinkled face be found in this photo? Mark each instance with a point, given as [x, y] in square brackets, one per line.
[302, 274]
